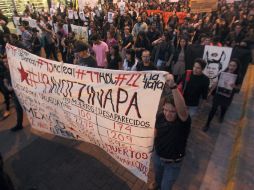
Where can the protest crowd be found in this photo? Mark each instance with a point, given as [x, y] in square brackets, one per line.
[144, 36]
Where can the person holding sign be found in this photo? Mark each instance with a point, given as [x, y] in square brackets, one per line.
[227, 85]
[172, 130]
[194, 86]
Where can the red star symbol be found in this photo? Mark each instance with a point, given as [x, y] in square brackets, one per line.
[71, 129]
[78, 137]
[23, 74]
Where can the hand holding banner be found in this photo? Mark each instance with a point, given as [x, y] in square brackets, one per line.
[104, 107]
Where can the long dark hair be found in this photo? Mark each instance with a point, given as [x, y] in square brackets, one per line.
[144, 41]
[179, 45]
[237, 71]
[132, 53]
[116, 52]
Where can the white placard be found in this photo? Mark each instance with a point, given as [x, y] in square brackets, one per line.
[70, 14]
[52, 11]
[226, 83]
[110, 17]
[80, 31]
[66, 29]
[16, 21]
[75, 15]
[81, 15]
[121, 6]
[217, 59]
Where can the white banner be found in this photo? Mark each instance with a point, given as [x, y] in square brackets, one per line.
[115, 110]
[80, 31]
[217, 59]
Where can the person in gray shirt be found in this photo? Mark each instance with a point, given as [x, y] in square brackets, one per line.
[26, 37]
[83, 58]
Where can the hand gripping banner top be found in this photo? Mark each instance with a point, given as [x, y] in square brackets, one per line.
[115, 110]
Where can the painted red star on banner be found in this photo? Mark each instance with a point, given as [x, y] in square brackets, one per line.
[23, 74]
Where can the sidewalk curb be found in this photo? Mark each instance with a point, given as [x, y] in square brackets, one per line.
[241, 127]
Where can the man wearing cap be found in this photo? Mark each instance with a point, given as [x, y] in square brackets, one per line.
[82, 57]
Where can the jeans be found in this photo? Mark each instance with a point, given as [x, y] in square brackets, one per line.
[193, 110]
[19, 110]
[6, 95]
[165, 173]
[50, 48]
[215, 106]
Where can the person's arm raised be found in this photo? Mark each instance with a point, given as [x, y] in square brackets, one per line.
[180, 105]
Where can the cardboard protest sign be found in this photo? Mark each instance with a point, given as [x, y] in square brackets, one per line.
[200, 6]
[52, 11]
[33, 23]
[66, 28]
[16, 21]
[82, 4]
[62, 8]
[107, 108]
[110, 17]
[121, 6]
[80, 31]
[75, 13]
[225, 84]
[82, 15]
[217, 59]
[70, 14]
[55, 27]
